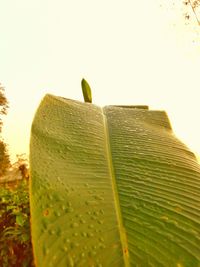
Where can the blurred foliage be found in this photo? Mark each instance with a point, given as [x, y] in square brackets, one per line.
[3, 101]
[3, 104]
[15, 241]
[4, 156]
[22, 165]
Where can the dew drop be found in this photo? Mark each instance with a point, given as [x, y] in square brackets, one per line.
[75, 234]
[82, 254]
[91, 226]
[54, 257]
[66, 190]
[67, 240]
[101, 211]
[45, 251]
[65, 249]
[49, 196]
[98, 197]
[74, 225]
[56, 197]
[102, 246]
[58, 232]
[68, 210]
[174, 223]
[164, 218]
[92, 253]
[58, 179]
[84, 234]
[90, 234]
[52, 232]
[178, 208]
[44, 223]
[74, 245]
[69, 204]
[96, 213]
[63, 207]
[82, 221]
[57, 213]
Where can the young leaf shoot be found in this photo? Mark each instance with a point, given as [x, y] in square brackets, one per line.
[87, 94]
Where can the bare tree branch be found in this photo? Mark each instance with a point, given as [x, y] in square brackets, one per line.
[194, 5]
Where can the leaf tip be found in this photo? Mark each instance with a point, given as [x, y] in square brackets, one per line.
[87, 94]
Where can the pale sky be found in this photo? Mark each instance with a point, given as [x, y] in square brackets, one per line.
[131, 52]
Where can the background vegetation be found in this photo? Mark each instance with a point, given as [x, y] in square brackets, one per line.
[15, 242]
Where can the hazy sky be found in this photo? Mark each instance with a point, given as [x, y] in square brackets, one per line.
[131, 52]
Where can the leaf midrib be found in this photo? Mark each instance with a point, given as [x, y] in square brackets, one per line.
[122, 232]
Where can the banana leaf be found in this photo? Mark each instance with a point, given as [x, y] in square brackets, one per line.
[111, 187]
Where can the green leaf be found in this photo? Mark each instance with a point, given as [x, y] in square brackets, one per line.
[111, 186]
[10, 207]
[87, 93]
[20, 219]
[24, 237]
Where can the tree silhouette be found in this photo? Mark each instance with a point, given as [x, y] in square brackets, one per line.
[4, 156]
